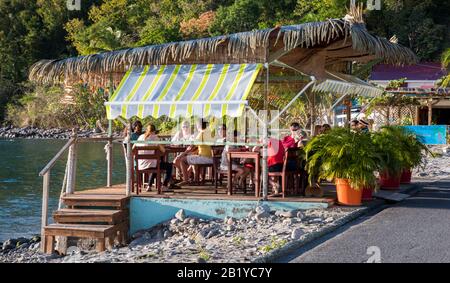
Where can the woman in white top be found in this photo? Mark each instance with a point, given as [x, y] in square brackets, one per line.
[184, 134]
[150, 135]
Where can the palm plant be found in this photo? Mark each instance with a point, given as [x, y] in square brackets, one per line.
[341, 153]
[403, 149]
[389, 146]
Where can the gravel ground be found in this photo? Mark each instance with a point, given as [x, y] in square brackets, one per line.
[197, 240]
[437, 167]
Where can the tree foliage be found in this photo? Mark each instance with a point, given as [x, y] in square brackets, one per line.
[36, 29]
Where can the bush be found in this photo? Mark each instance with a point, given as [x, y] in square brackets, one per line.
[42, 107]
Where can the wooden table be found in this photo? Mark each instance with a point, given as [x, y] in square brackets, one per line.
[243, 155]
[175, 149]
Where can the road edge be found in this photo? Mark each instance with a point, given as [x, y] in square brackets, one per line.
[290, 247]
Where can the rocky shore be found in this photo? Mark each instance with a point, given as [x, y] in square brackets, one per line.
[10, 132]
[190, 239]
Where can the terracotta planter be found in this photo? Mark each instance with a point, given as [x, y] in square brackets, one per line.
[406, 176]
[367, 194]
[388, 182]
[346, 195]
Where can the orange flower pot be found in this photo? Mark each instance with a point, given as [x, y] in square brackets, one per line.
[347, 195]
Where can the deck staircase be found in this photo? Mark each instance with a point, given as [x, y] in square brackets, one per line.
[103, 217]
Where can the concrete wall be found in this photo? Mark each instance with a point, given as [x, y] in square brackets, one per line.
[147, 212]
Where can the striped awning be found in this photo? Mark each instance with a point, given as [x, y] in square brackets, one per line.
[348, 88]
[183, 90]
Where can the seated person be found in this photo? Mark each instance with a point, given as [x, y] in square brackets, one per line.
[294, 139]
[203, 154]
[136, 128]
[275, 159]
[326, 128]
[150, 135]
[354, 125]
[363, 126]
[184, 134]
[241, 171]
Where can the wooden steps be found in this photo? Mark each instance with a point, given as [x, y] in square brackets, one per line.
[98, 232]
[103, 217]
[111, 217]
[89, 200]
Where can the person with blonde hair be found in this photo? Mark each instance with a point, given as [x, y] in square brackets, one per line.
[195, 155]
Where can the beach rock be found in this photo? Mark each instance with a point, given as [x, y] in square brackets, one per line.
[261, 216]
[329, 219]
[289, 221]
[230, 221]
[251, 213]
[262, 209]
[201, 260]
[287, 214]
[212, 233]
[167, 234]
[300, 215]
[317, 220]
[296, 233]
[193, 221]
[230, 228]
[9, 244]
[180, 215]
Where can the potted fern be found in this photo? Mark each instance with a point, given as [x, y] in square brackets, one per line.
[401, 151]
[348, 158]
[411, 149]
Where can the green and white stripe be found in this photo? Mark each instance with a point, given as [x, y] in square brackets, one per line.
[183, 90]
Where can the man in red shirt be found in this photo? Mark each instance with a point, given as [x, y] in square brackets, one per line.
[295, 138]
[275, 158]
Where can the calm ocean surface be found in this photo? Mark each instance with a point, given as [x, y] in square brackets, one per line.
[21, 160]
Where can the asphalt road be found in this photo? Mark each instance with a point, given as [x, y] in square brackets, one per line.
[414, 230]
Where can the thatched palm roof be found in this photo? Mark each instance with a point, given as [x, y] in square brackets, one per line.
[310, 47]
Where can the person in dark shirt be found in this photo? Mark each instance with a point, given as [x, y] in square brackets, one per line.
[363, 126]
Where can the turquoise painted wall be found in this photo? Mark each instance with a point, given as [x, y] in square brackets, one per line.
[147, 212]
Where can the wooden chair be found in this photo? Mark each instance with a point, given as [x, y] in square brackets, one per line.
[285, 174]
[217, 153]
[221, 174]
[138, 154]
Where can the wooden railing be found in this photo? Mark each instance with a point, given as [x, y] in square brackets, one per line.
[68, 186]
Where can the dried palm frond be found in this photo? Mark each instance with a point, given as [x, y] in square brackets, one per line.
[248, 47]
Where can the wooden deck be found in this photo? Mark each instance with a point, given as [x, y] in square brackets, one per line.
[208, 192]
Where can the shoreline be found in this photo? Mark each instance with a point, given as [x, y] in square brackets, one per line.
[29, 132]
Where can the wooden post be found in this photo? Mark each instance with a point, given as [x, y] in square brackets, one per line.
[430, 111]
[416, 116]
[72, 158]
[129, 162]
[312, 112]
[348, 113]
[109, 155]
[44, 221]
[388, 115]
[109, 158]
